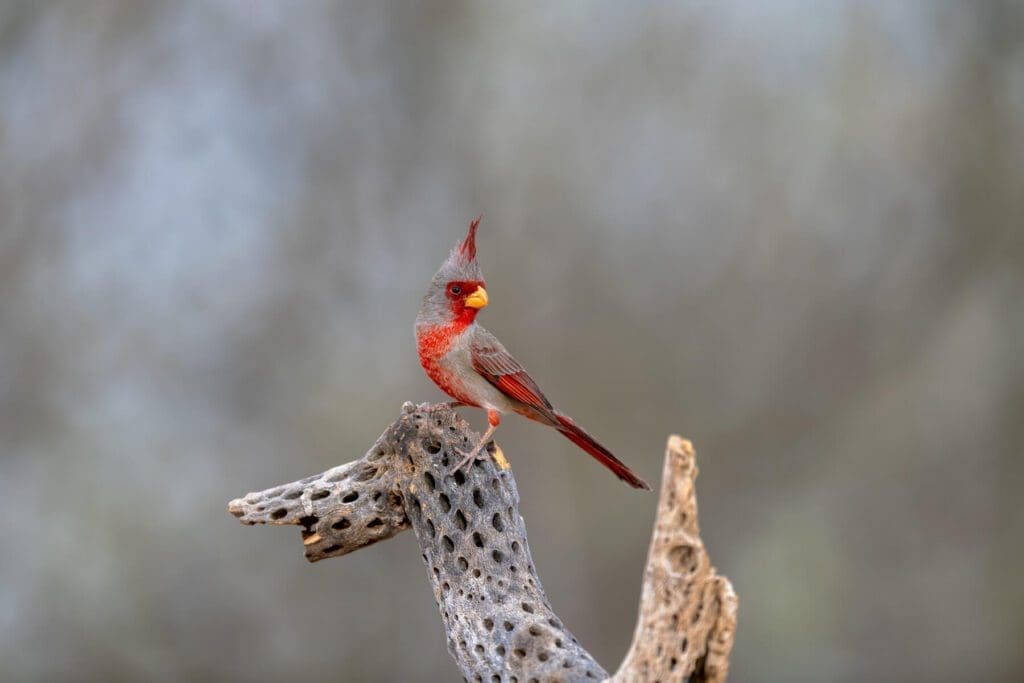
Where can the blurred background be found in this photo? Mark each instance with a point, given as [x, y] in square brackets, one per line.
[790, 231]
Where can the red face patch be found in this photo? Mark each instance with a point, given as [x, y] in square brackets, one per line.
[457, 291]
[462, 288]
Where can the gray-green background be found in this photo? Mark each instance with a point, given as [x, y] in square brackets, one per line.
[790, 231]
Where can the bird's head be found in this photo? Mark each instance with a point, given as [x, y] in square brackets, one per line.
[457, 291]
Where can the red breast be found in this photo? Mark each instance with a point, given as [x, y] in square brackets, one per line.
[433, 343]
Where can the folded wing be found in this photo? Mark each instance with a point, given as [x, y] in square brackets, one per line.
[499, 368]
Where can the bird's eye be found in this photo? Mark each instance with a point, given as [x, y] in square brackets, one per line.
[455, 289]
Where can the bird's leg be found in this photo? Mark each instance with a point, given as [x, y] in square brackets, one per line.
[493, 420]
[453, 404]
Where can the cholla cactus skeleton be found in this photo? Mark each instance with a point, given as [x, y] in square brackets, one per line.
[499, 623]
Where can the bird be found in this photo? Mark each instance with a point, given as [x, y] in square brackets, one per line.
[469, 364]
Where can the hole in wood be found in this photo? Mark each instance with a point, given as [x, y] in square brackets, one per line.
[367, 473]
[683, 558]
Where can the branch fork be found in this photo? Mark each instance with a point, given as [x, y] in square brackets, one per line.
[499, 623]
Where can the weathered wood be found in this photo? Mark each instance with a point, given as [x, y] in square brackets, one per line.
[343, 509]
[687, 612]
[499, 623]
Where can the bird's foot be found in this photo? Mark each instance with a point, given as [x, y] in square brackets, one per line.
[470, 457]
[453, 404]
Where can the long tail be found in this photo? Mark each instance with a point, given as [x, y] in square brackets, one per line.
[575, 433]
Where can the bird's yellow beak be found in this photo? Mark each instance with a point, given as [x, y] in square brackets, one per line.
[477, 299]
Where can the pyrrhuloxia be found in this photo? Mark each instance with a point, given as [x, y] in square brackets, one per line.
[469, 363]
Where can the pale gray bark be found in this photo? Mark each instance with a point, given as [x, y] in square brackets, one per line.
[499, 623]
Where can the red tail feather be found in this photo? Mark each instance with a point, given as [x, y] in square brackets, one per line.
[575, 433]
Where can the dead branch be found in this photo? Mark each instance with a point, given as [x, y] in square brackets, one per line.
[687, 612]
[499, 623]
